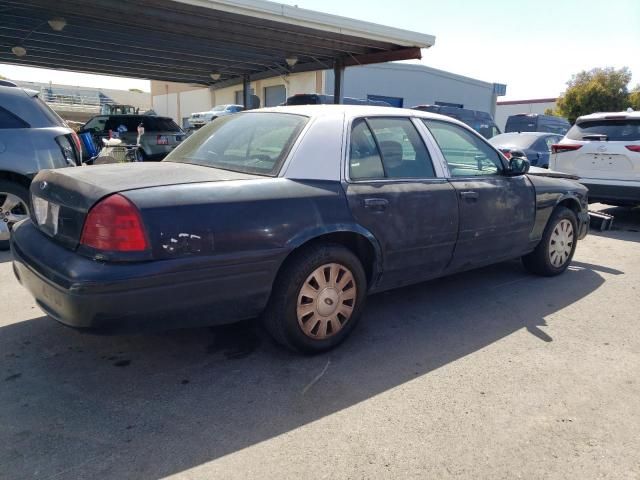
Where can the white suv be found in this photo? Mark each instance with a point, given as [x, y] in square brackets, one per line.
[603, 149]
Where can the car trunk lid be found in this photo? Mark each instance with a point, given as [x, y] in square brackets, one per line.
[62, 198]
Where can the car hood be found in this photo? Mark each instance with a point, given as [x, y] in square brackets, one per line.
[545, 172]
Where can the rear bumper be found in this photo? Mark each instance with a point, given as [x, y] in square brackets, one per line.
[626, 194]
[159, 295]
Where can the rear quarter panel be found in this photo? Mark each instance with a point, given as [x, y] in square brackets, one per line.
[240, 218]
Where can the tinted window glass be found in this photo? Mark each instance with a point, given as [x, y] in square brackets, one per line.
[623, 130]
[465, 153]
[247, 142]
[123, 123]
[521, 124]
[364, 158]
[403, 152]
[46, 110]
[9, 120]
[97, 124]
[159, 124]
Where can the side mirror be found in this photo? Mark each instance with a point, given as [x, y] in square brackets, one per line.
[518, 166]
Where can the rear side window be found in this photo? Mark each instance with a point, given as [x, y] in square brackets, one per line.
[9, 120]
[622, 130]
[388, 148]
[46, 110]
[247, 142]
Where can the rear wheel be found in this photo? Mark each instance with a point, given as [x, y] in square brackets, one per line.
[555, 251]
[14, 206]
[317, 299]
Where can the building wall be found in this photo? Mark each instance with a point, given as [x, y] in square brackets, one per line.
[416, 85]
[179, 101]
[505, 109]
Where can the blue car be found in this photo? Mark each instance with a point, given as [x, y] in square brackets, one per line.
[535, 146]
[291, 214]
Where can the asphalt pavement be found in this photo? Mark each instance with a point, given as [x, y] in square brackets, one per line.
[487, 374]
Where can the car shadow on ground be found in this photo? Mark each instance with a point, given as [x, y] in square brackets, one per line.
[626, 223]
[79, 406]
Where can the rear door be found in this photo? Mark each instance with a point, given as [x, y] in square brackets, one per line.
[496, 212]
[394, 192]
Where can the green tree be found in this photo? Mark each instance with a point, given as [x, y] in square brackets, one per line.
[136, 90]
[550, 111]
[634, 98]
[597, 90]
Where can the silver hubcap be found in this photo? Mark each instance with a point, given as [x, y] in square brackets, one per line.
[326, 301]
[12, 210]
[561, 243]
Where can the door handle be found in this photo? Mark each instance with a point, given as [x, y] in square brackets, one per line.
[376, 204]
[469, 196]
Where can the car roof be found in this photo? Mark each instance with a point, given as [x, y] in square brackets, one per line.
[354, 111]
[608, 115]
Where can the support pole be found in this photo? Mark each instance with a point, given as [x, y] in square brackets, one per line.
[246, 92]
[338, 80]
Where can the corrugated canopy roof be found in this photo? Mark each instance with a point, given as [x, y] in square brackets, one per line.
[187, 40]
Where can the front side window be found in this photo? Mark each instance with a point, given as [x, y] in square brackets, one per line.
[388, 148]
[465, 153]
[248, 142]
[96, 124]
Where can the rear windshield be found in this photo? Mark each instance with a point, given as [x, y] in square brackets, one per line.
[247, 142]
[521, 124]
[623, 130]
[520, 141]
[304, 100]
[46, 110]
[129, 123]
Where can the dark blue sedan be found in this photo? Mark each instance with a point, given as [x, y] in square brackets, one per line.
[291, 214]
[536, 146]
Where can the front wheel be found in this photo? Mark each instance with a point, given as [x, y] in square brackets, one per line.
[317, 299]
[555, 251]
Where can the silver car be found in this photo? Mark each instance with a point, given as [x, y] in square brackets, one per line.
[32, 138]
[198, 119]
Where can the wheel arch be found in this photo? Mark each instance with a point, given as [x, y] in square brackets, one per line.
[357, 239]
[571, 202]
[18, 178]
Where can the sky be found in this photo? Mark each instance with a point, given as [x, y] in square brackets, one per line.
[532, 46]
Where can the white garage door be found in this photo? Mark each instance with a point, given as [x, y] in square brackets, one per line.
[274, 96]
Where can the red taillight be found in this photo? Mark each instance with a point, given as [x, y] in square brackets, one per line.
[114, 225]
[559, 148]
[634, 148]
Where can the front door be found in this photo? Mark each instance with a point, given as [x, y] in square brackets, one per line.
[394, 193]
[497, 212]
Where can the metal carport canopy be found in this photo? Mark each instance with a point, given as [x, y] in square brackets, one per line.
[188, 40]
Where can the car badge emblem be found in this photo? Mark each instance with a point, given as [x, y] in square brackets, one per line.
[43, 185]
[602, 148]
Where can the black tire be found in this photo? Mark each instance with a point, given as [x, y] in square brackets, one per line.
[539, 261]
[281, 317]
[19, 191]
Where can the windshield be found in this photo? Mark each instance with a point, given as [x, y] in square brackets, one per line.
[520, 141]
[623, 130]
[247, 142]
[218, 108]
